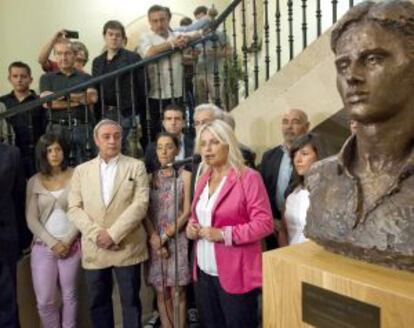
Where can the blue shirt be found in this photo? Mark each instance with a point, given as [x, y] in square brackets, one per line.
[285, 172]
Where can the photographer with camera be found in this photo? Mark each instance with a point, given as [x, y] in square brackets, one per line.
[81, 52]
[69, 115]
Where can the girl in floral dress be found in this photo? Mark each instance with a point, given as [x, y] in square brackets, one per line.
[160, 227]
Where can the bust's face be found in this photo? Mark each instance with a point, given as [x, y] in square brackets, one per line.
[375, 75]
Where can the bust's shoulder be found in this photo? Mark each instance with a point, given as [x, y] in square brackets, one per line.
[321, 171]
[328, 163]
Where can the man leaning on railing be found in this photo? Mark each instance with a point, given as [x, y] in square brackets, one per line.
[113, 105]
[69, 115]
[166, 75]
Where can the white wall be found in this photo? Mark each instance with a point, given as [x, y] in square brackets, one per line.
[26, 25]
[307, 82]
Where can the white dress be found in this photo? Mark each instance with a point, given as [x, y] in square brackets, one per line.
[296, 207]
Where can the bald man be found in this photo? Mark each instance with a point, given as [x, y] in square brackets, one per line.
[276, 167]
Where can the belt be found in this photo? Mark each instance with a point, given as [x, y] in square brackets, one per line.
[66, 122]
[40, 243]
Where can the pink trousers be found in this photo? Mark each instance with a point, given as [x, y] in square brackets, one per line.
[54, 283]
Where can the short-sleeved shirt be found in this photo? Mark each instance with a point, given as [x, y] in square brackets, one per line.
[56, 81]
[36, 119]
[148, 40]
[101, 65]
[50, 66]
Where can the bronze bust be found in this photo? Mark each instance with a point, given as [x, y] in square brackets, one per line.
[362, 200]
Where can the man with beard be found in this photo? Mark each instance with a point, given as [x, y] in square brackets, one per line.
[276, 166]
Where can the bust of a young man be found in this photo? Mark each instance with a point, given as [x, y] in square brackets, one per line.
[362, 200]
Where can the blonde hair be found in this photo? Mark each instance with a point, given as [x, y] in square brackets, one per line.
[216, 111]
[224, 133]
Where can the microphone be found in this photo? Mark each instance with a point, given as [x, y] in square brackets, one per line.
[195, 159]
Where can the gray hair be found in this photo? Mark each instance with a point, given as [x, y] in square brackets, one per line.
[217, 112]
[103, 122]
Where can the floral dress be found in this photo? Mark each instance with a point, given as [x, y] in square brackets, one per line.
[161, 213]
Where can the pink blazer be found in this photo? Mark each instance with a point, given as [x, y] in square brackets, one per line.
[242, 204]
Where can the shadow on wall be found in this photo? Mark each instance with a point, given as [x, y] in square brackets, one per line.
[259, 129]
[334, 131]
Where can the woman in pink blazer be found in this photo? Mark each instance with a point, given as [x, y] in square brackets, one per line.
[230, 216]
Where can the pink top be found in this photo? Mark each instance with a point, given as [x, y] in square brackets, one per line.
[244, 206]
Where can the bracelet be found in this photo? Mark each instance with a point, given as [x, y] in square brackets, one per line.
[172, 44]
[164, 237]
[223, 235]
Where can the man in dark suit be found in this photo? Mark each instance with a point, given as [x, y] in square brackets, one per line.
[14, 235]
[173, 121]
[276, 166]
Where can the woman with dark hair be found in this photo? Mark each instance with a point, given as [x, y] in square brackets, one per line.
[55, 257]
[305, 151]
[160, 228]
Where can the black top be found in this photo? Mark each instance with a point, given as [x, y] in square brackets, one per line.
[269, 169]
[123, 57]
[56, 81]
[28, 127]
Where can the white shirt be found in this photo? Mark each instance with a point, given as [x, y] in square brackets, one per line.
[150, 39]
[181, 153]
[296, 208]
[107, 174]
[283, 178]
[58, 224]
[206, 255]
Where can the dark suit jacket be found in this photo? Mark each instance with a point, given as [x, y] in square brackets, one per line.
[14, 235]
[269, 169]
[249, 156]
[151, 160]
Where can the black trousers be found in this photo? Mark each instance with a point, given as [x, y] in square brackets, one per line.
[219, 309]
[8, 295]
[100, 296]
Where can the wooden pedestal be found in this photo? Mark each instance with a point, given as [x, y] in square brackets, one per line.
[289, 270]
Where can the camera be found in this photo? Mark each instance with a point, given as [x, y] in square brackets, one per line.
[71, 34]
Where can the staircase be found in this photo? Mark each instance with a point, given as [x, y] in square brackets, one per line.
[279, 58]
[271, 53]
